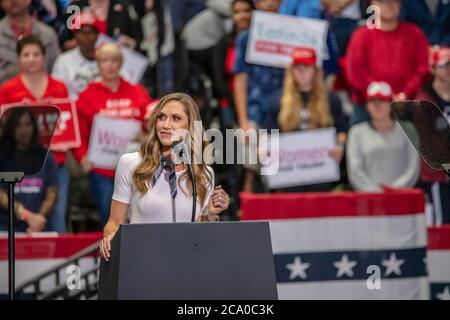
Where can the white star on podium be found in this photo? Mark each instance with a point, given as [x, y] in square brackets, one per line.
[345, 266]
[297, 268]
[393, 265]
[444, 295]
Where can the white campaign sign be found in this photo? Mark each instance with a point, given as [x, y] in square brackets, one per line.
[304, 159]
[110, 138]
[273, 36]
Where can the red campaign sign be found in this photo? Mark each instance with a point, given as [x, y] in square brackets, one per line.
[66, 135]
[273, 47]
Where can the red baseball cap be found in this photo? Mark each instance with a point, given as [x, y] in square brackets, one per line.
[304, 55]
[439, 56]
[84, 19]
[379, 90]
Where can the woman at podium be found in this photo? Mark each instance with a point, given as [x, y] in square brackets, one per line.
[150, 188]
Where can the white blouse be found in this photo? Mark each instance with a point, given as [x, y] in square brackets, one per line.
[156, 204]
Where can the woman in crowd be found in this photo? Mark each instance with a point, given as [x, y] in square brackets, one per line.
[304, 103]
[20, 150]
[34, 84]
[112, 96]
[379, 154]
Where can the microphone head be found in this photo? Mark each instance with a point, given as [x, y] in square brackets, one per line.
[178, 151]
[175, 144]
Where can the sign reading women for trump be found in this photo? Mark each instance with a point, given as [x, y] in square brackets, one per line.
[304, 159]
[109, 139]
[273, 36]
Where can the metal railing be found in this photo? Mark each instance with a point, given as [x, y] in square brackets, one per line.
[32, 289]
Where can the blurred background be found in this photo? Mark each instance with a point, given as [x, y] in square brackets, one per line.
[324, 73]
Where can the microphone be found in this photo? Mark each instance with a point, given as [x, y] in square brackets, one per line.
[179, 149]
[182, 156]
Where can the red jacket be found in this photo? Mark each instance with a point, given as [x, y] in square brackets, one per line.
[129, 102]
[14, 91]
[399, 57]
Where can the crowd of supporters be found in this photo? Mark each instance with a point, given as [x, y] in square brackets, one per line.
[49, 49]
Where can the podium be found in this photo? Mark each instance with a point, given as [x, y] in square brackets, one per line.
[190, 261]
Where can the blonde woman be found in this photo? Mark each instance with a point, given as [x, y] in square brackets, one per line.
[148, 186]
[111, 96]
[304, 103]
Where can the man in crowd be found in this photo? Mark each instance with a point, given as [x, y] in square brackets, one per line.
[17, 24]
[77, 67]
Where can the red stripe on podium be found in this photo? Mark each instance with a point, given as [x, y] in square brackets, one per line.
[322, 205]
[61, 246]
[439, 238]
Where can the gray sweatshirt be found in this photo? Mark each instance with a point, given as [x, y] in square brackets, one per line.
[375, 158]
[8, 42]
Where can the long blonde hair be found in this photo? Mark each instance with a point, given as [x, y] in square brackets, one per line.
[291, 103]
[150, 151]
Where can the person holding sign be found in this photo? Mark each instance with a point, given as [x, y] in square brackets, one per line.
[380, 155]
[32, 85]
[304, 103]
[77, 67]
[253, 85]
[114, 97]
[150, 188]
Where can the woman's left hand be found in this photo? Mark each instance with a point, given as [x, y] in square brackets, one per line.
[218, 202]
